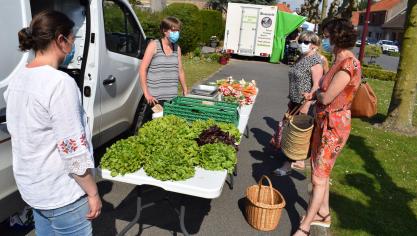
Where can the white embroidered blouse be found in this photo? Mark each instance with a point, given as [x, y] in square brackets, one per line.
[50, 136]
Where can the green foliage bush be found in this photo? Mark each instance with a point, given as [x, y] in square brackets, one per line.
[373, 52]
[374, 73]
[394, 54]
[191, 24]
[150, 23]
[329, 56]
[112, 16]
[374, 66]
[213, 56]
[212, 25]
[197, 25]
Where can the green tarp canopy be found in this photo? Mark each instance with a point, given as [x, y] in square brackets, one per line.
[285, 24]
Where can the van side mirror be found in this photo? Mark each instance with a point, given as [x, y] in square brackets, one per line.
[143, 47]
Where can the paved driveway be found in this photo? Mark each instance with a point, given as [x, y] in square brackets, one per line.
[387, 62]
[221, 216]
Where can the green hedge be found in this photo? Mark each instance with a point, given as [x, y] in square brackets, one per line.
[150, 22]
[197, 25]
[374, 73]
[394, 54]
[191, 24]
[212, 25]
[112, 16]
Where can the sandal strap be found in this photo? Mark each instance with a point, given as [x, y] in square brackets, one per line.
[304, 231]
[323, 218]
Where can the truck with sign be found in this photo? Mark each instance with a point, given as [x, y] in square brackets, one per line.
[249, 29]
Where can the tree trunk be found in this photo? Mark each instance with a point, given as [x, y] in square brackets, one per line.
[323, 9]
[401, 108]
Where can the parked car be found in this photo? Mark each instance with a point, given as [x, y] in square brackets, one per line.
[371, 41]
[109, 44]
[388, 46]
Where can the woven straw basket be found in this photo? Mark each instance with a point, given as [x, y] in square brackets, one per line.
[296, 136]
[264, 206]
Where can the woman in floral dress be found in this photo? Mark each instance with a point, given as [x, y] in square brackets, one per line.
[332, 119]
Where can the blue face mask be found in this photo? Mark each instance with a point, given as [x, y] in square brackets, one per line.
[326, 45]
[174, 36]
[68, 58]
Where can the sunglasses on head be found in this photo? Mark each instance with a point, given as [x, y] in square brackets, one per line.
[306, 42]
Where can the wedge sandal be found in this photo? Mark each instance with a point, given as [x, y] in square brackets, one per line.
[323, 222]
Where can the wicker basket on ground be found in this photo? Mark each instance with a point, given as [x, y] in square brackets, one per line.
[264, 206]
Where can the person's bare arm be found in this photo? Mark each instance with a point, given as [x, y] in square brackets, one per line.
[316, 74]
[143, 70]
[181, 74]
[338, 83]
[325, 64]
[88, 184]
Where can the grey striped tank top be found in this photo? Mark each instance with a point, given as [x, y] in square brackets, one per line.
[163, 74]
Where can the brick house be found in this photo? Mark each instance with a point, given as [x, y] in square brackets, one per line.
[386, 20]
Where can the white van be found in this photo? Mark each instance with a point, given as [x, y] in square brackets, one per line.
[109, 46]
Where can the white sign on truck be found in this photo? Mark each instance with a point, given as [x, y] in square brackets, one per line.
[249, 29]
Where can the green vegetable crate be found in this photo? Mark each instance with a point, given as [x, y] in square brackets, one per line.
[201, 109]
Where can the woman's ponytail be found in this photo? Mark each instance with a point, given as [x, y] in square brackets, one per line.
[25, 39]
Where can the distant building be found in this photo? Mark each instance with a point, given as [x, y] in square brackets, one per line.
[284, 7]
[386, 20]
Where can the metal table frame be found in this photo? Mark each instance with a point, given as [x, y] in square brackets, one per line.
[145, 183]
[139, 207]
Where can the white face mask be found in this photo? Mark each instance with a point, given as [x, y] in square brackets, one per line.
[304, 48]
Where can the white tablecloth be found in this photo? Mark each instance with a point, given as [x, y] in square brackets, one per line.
[205, 183]
[244, 113]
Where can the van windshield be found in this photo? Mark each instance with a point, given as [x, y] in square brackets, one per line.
[388, 42]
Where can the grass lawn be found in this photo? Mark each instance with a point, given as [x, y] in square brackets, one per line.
[198, 70]
[374, 182]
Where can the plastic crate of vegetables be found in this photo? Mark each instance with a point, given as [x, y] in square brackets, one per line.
[202, 109]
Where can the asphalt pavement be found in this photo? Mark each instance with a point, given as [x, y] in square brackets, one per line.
[224, 215]
[387, 62]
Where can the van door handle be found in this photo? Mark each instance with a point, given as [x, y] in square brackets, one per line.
[110, 80]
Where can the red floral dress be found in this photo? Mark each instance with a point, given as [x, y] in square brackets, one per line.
[333, 121]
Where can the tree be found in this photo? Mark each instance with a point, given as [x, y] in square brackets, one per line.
[219, 5]
[402, 105]
[343, 10]
[310, 9]
[334, 6]
[323, 9]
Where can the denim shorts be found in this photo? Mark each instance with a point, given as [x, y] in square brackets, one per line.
[68, 220]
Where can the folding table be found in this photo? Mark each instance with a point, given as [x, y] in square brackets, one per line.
[205, 184]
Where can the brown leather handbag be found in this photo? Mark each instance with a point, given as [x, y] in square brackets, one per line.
[365, 101]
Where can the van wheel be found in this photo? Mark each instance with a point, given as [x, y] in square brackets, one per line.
[139, 117]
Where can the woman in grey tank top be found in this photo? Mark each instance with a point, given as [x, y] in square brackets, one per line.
[161, 67]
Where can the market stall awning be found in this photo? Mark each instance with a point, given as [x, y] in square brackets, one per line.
[285, 24]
